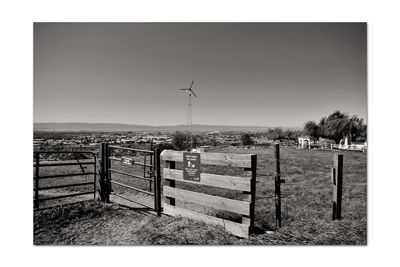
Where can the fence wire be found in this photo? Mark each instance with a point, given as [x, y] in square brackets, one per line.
[308, 182]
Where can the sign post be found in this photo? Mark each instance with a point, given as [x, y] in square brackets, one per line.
[191, 166]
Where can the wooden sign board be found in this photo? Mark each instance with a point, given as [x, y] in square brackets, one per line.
[127, 161]
[191, 166]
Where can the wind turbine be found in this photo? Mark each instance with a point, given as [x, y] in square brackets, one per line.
[189, 115]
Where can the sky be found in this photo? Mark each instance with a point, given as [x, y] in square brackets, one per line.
[245, 74]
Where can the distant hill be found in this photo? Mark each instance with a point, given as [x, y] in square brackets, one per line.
[111, 127]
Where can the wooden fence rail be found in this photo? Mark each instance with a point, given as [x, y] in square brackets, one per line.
[246, 185]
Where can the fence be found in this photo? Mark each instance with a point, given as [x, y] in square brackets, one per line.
[306, 173]
[246, 185]
[150, 174]
[37, 165]
[311, 181]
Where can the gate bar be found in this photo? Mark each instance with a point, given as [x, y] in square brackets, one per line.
[134, 163]
[64, 164]
[65, 185]
[129, 199]
[132, 149]
[129, 174]
[64, 196]
[67, 152]
[65, 175]
[133, 188]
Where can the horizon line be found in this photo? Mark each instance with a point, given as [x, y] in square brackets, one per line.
[166, 125]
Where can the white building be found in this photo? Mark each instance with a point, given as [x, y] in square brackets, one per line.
[306, 141]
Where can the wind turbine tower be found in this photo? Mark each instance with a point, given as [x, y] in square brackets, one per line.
[189, 114]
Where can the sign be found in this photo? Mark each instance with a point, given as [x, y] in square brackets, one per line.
[191, 166]
[127, 161]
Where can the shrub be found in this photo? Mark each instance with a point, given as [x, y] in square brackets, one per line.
[246, 139]
[184, 141]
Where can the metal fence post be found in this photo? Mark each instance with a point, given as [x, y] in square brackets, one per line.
[105, 173]
[278, 181]
[102, 172]
[108, 173]
[337, 180]
[157, 181]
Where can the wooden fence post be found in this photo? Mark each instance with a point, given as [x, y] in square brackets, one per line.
[251, 196]
[37, 181]
[170, 183]
[337, 180]
[278, 181]
[157, 181]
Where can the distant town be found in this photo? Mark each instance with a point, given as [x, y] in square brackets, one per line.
[336, 131]
[93, 139]
[87, 136]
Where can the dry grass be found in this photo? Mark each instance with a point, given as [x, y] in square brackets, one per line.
[306, 210]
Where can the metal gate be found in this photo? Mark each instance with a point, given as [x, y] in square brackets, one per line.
[53, 182]
[130, 175]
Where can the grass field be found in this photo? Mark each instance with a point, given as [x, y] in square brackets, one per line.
[307, 209]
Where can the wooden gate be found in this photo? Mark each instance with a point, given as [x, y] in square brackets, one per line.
[245, 185]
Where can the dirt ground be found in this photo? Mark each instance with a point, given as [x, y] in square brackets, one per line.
[111, 225]
[96, 223]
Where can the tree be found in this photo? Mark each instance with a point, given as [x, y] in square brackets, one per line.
[339, 125]
[291, 134]
[179, 141]
[246, 139]
[362, 134]
[276, 134]
[214, 141]
[184, 141]
[358, 130]
[311, 129]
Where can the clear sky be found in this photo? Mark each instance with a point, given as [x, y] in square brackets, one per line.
[258, 74]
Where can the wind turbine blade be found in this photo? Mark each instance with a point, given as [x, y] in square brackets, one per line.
[191, 85]
[185, 89]
[193, 93]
